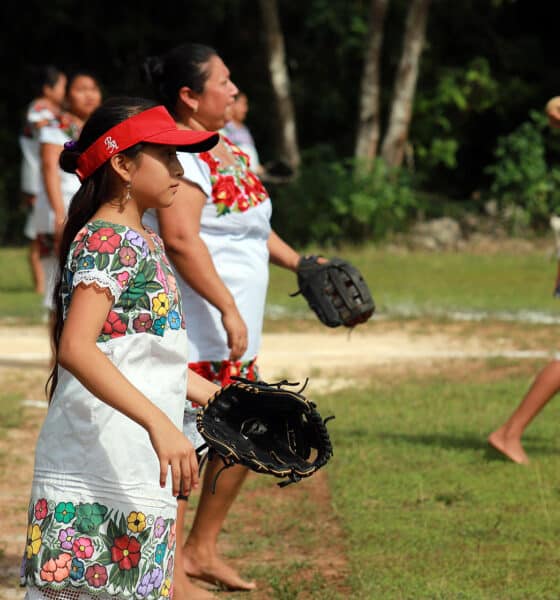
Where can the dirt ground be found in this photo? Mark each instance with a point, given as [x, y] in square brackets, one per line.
[332, 359]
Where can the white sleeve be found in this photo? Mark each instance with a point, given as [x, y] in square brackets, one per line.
[196, 171]
[52, 135]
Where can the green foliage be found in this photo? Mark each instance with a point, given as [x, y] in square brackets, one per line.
[523, 183]
[458, 91]
[334, 201]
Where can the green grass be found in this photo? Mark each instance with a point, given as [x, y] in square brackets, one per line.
[11, 412]
[429, 511]
[18, 302]
[428, 283]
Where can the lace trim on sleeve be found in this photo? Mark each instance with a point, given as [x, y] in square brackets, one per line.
[99, 278]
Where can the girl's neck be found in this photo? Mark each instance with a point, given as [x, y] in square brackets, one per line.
[121, 213]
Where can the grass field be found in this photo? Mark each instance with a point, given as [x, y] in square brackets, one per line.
[429, 511]
[425, 510]
[403, 283]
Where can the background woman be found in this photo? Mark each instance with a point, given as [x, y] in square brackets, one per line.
[49, 90]
[57, 187]
[219, 238]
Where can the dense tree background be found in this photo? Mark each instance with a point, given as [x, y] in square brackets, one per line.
[486, 65]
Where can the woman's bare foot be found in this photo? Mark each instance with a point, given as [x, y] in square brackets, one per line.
[212, 569]
[509, 446]
[184, 589]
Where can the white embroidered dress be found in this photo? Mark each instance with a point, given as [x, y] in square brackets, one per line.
[99, 522]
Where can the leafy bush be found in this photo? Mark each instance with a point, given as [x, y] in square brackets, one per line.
[526, 188]
[332, 201]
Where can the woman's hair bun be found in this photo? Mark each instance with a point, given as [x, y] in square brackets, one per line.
[69, 157]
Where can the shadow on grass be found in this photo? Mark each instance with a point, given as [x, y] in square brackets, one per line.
[466, 441]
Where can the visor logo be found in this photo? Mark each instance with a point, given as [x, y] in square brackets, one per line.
[111, 145]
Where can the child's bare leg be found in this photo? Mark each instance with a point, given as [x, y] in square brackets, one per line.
[200, 557]
[507, 439]
[183, 587]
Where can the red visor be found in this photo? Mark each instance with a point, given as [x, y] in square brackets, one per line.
[153, 126]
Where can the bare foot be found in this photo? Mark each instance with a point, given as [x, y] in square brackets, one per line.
[212, 569]
[509, 446]
[184, 589]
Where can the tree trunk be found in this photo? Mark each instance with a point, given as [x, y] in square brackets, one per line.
[393, 147]
[367, 137]
[280, 82]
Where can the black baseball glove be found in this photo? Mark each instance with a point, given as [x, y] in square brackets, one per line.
[335, 290]
[267, 428]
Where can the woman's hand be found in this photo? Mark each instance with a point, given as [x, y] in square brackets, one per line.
[174, 450]
[236, 331]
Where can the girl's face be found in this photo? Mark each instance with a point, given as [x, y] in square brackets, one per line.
[218, 94]
[155, 176]
[57, 92]
[240, 108]
[84, 96]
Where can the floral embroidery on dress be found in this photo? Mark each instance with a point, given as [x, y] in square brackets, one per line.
[142, 282]
[95, 548]
[69, 126]
[234, 187]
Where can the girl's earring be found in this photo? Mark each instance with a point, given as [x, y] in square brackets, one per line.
[128, 196]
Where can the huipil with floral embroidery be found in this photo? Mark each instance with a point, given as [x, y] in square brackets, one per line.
[98, 519]
[235, 226]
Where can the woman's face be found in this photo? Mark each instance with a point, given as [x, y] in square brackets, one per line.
[57, 92]
[155, 178]
[84, 96]
[218, 94]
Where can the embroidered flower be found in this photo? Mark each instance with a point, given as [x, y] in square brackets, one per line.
[123, 278]
[96, 575]
[169, 568]
[210, 161]
[64, 512]
[160, 552]
[34, 540]
[127, 256]
[89, 517]
[66, 538]
[77, 569]
[56, 569]
[41, 509]
[160, 276]
[174, 320]
[136, 522]
[83, 548]
[159, 527]
[144, 587]
[225, 191]
[142, 323]
[137, 240]
[160, 325]
[166, 589]
[113, 325]
[160, 304]
[126, 552]
[86, 262]
[105, 241]
[156, 578]
[172, 533]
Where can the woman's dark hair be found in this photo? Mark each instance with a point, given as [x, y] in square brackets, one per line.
[185, 65]
[94, 191]
[75, 73]
[41, 76]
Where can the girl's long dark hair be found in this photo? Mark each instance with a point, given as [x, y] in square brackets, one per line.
[185, 65]
[94, 191]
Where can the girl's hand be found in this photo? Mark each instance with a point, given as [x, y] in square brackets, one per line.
[236, 333]
[174, 450]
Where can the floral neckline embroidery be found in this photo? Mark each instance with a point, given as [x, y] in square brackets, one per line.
[234, 187]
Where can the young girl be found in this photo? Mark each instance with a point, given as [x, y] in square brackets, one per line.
[102, 511]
